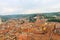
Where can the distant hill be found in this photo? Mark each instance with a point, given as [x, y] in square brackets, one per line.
[51, 14]
[6, 17]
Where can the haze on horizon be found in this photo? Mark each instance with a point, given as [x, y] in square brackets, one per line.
[8, 7]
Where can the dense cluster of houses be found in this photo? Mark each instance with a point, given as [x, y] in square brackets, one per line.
[21, 29]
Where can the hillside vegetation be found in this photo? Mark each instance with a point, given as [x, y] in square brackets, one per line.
[49, 16]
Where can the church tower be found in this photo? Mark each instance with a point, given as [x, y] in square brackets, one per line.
[0, 21]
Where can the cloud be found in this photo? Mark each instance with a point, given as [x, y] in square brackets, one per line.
[44, 9]
[28, 6]
[30, 11]
[8, 10]
[9, 7]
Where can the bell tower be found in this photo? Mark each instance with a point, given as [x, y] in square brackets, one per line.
[37, 18]
[0, 21]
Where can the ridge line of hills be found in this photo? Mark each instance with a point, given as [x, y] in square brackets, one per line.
[29, 15]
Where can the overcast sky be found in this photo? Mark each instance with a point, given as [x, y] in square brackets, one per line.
[8, 7]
